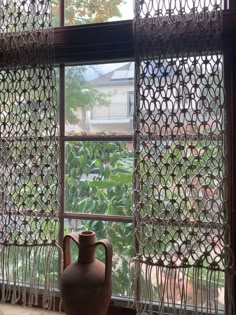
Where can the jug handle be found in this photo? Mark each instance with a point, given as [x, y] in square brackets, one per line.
[66, 247]
[108, 252]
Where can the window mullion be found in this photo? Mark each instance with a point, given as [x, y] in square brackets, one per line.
[98, 217]
[62, 151]
[100, 138]
[230, 102]
[62, 13]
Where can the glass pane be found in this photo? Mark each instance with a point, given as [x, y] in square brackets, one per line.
[99, 99]
[97, 11]
[98, 177]
[55, 13]
[121, 237]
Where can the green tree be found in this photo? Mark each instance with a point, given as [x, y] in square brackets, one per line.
[87, 11]
[81, 94]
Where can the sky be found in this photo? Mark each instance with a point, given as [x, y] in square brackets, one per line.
[93, 72]
[126, 11]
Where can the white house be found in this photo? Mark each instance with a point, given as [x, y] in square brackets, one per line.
[118, 115]
[118, 86]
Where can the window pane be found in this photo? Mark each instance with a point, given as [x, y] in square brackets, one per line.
[121, 237]
[99, 177]
[97, 11]
[99, 99]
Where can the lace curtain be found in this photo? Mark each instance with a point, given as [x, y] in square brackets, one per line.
[181, 211]
[29, 153]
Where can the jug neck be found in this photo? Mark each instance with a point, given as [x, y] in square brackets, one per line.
[86, 250]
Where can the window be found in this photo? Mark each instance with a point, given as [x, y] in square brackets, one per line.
[96, 99]
[102, 127]
[95, 129]
[102, 116]
[130, 103]
[95, 65]
[99, 161]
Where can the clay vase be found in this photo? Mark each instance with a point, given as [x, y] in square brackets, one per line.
[86, 283]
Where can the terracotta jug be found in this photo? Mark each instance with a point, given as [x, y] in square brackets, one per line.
[86, 283]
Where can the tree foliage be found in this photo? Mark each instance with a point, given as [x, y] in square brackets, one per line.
[87, 11]
[81, 94]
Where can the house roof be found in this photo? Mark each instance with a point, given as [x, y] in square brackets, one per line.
[122, 74]
[126, 73]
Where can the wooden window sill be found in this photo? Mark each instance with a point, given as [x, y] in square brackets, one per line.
[8, 309]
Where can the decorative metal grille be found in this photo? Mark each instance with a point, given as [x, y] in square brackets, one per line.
[181, 212]
[29, 188]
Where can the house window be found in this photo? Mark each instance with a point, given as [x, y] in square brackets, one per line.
[130, 103]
